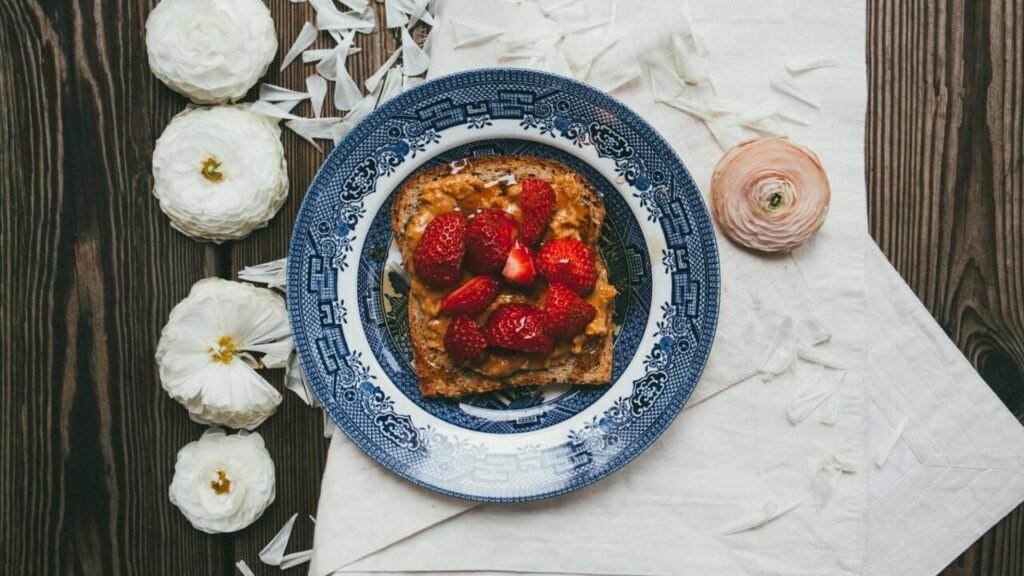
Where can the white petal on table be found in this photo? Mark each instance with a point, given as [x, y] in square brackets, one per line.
[768, 513]
[357, 5]
[273, 552]
[346, 91]
[334, 20]
[305, 39]
[784, 83]
[241, 565]
[296, 559]
[414, 60]
[372, 82]
[316, 86]
[270, 110]
[392, 84]
[799, 65]
[394, 17]
[272, 93]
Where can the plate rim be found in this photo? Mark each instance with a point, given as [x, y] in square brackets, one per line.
[303, 221]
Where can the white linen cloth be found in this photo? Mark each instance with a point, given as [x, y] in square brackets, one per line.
[733, 452]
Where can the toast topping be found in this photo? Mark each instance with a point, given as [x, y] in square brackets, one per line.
[461, 227]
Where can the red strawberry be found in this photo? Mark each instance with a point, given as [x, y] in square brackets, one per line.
[463, 341]
[438, 256]
[471, 298]
[518, 327]
[570, 262]
[519, 268]
[567, 313]
[489, 237]
[537, 205]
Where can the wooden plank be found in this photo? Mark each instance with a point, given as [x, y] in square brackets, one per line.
[945, 158]
[90, 268]
[294, 434]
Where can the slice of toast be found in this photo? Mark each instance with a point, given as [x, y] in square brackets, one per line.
[587, 361]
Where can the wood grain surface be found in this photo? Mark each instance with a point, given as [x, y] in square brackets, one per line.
[90, 267]
[945, 160]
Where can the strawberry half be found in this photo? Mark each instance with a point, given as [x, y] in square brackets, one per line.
[570, 262]
[471, 298]
[463, 341]
[567, 313]
[519, 267]
[518, 327]
[536, 206]
[489, 237]
[438, 256]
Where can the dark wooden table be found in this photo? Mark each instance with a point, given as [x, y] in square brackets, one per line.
[89, 266]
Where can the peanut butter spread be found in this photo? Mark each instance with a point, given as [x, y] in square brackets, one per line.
[572, 218]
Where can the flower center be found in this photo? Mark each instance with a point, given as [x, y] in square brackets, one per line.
[222, 485]
[211, 170]
[225, 350]
[774, 194]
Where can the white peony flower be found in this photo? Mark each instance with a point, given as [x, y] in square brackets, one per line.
[211, 346]
[223, 483]
[220, 173]
[212, 51]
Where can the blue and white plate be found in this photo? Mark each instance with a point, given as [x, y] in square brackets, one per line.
[347, 291]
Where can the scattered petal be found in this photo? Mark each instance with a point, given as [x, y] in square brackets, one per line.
[414, 60]
[269, 110]
[768, 513]
[305, 39]
[273, 273]
[818, 389]
[272, 93]
[312, 519]
[317, 88]
[392, 84]
[313, 128]
[469, 34]
[372, 82]
[273, 552]
[346, 91]
[665, 82]
[689, 65]
[241, 565]
[296, 381]
[784, 83]
[296, 559]
[781, 352]
[581, 55]
[801, 65]
[827, 475]
[363, 108]
[344, 21]
[394, 17]
[887, 448]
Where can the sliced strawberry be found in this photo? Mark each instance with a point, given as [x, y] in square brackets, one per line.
[567, 313]
[518, 327]
[569, 262]
[536, 205]
[438, 256]
[471, 298]
[519, 267]
[489, 237]
[463, 341]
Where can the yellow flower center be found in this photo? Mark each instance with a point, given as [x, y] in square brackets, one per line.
[225, 350]
[211, 170]
[222, 485]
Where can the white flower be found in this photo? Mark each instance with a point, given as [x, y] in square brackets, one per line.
[223, 483]
[212, 51]
[213, 342]
[220, 172]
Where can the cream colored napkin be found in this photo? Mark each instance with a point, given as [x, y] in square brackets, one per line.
[733, 460]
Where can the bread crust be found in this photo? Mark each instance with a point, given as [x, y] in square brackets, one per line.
[438, 376]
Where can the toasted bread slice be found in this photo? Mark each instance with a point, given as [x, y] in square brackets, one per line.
[588, 360]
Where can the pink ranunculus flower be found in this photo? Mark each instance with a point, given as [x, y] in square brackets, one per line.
[770, 194]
